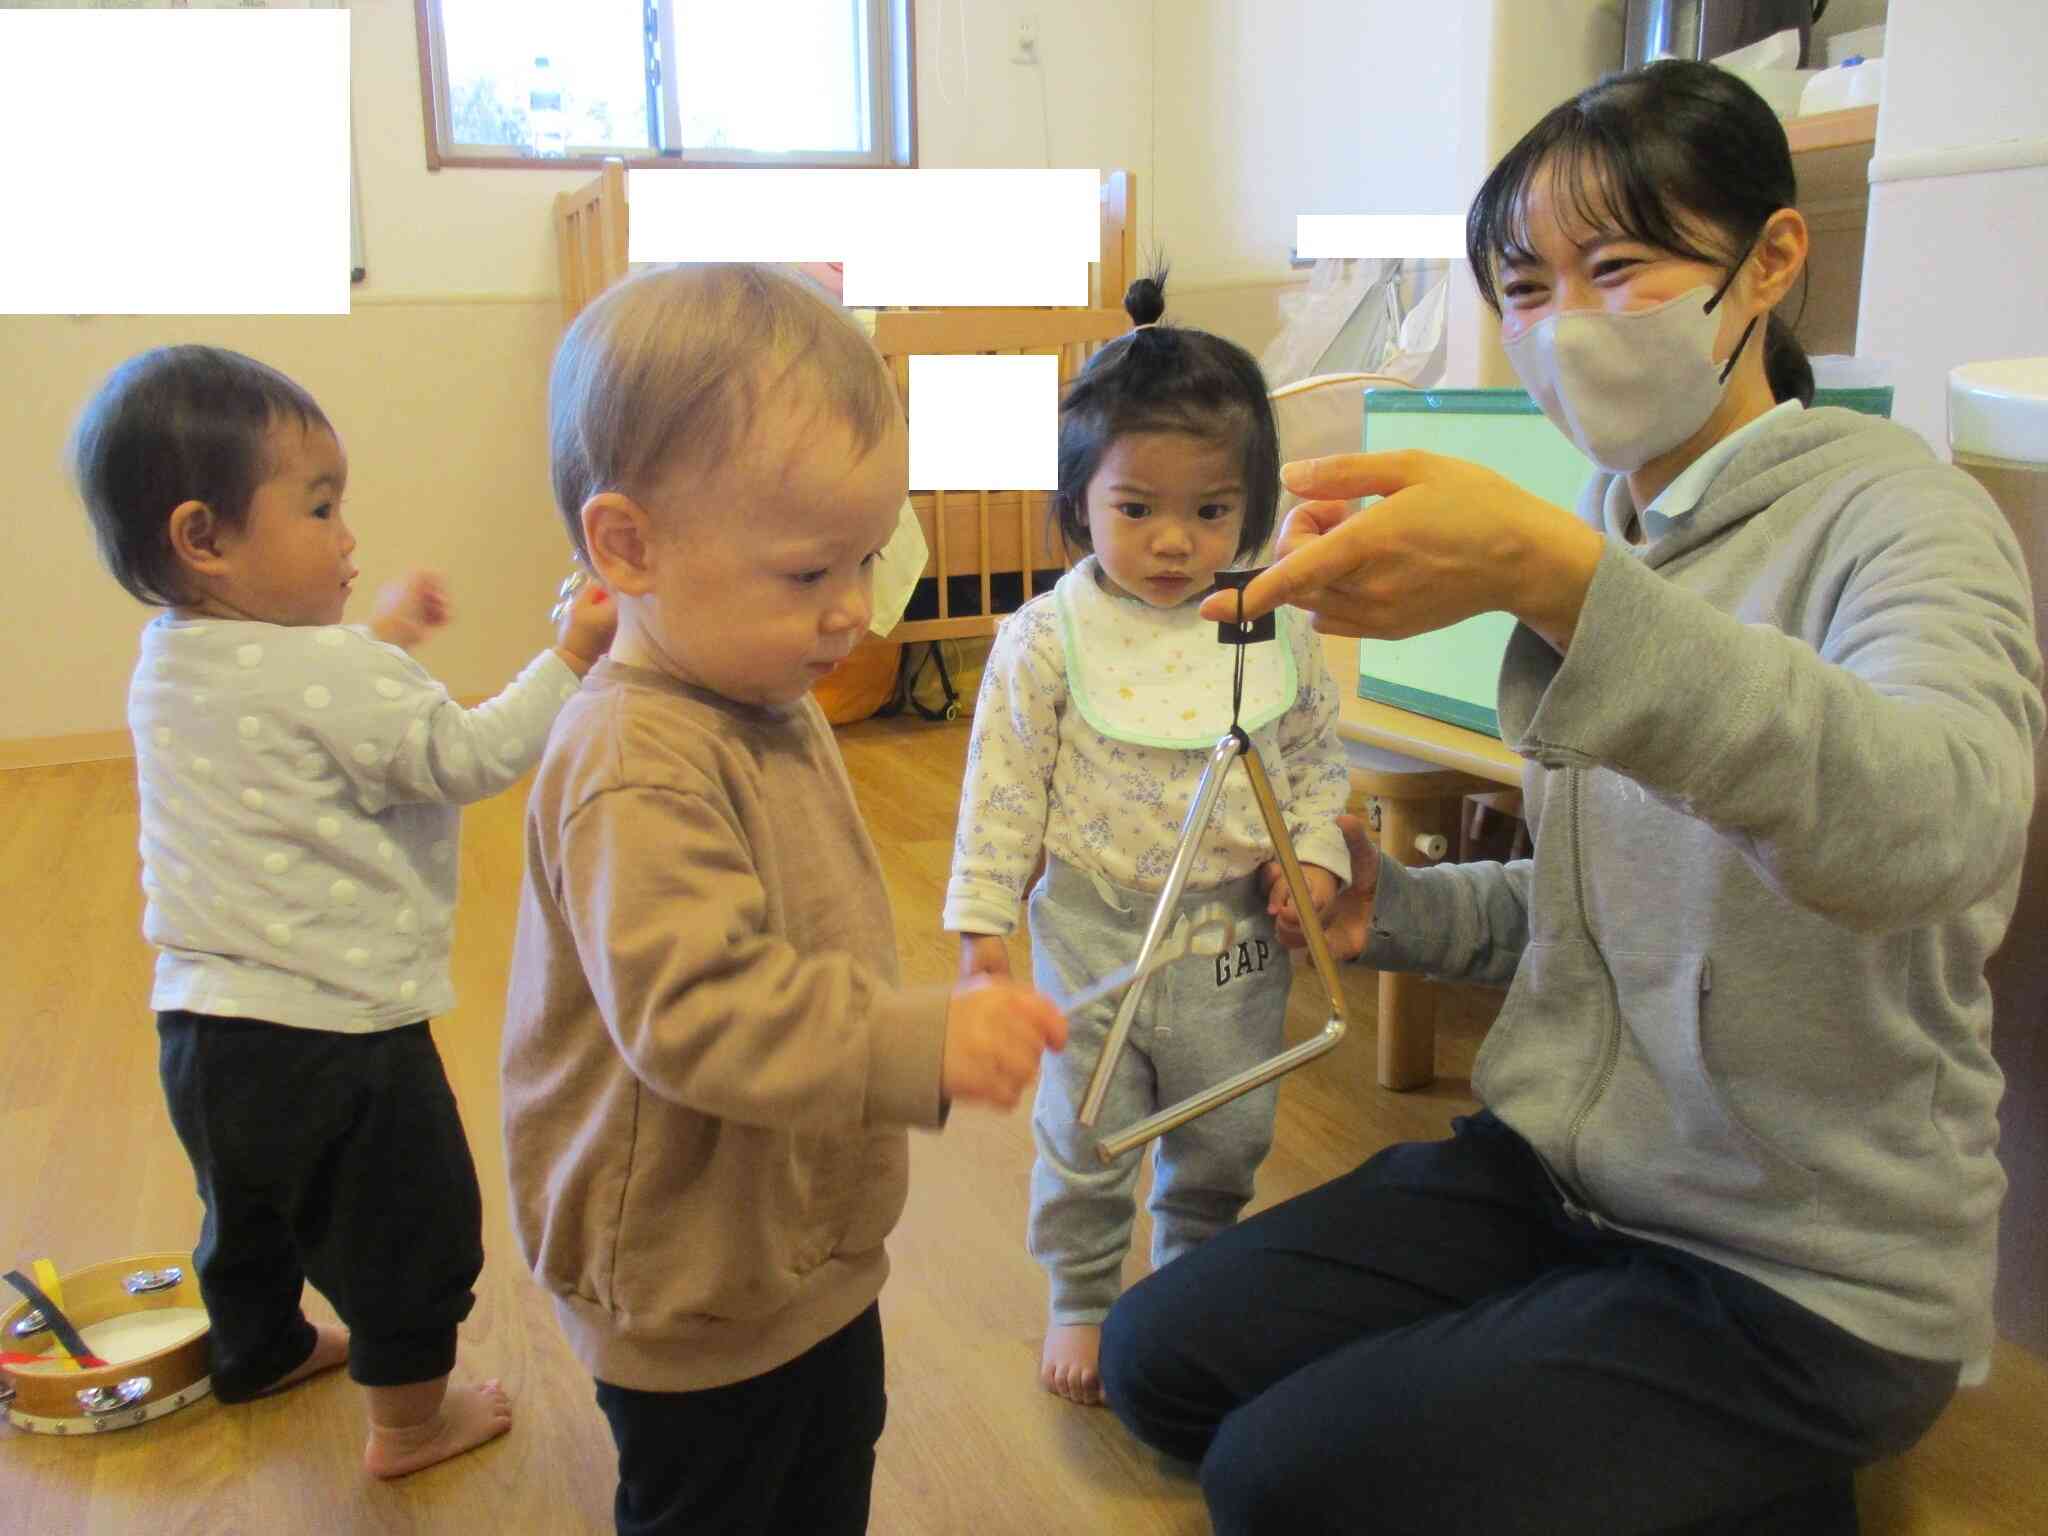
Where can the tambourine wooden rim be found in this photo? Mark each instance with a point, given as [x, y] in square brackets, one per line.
[123, 1393]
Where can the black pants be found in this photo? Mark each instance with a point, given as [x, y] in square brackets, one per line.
[791, 1451]
[334, 1158]
[1429, 1344]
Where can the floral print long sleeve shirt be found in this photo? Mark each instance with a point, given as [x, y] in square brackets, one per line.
[1040, 777]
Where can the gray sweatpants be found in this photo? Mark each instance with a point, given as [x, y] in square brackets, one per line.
[1202, 1018]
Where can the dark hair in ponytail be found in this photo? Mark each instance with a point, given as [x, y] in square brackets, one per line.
[1165, 378]
[1145, 300]
[1654, 153]
[1786, 367]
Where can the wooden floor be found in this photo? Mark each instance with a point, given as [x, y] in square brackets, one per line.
[93, 1171]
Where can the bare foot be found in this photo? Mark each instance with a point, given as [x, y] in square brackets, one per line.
[465, 1419]
[330, 1348]
[1073, 1352]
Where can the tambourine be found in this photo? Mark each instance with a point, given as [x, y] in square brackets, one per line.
[143, 1324]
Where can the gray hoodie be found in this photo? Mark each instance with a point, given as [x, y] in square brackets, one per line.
[1779, 789]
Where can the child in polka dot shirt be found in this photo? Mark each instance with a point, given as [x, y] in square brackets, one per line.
[299, 789]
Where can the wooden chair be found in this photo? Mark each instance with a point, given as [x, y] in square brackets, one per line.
[988, 547]
[590, 237]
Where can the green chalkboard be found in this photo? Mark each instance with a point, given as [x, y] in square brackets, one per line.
[1452, 674]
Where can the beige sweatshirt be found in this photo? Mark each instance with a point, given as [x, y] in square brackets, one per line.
[708, 1062]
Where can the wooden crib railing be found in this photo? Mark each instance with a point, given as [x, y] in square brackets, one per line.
[989, 549]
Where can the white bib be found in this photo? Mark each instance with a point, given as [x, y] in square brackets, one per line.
[1158, 677]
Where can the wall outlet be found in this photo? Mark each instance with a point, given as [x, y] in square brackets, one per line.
[1024, 41]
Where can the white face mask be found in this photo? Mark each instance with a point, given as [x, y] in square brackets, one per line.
[1628, 387]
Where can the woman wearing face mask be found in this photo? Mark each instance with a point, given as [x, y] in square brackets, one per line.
[1724, 1229]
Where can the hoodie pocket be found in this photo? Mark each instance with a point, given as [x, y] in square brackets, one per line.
[1666, 1144]
[1547, 1046]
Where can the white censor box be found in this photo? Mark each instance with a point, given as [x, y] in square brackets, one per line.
[917, 239]
[178, 162]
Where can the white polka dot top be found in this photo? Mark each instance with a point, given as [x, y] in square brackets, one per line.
[299, 790]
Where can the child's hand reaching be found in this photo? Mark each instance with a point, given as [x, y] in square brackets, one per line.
[984, 954]
[584, 631]
[1347, 921]
[1322, 888]
[408, 611]
[995, 1033]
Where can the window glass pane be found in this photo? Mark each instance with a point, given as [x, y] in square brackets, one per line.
[547, 76]
[775, 75]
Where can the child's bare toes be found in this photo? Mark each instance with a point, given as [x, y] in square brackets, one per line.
[467, 1418]
[1071, 1363]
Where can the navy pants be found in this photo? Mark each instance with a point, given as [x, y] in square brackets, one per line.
[790, 1452]
[1430, 1344]
[327, 1157]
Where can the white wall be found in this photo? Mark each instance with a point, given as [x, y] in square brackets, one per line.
[470, 232]
[436, 234]
[1235, 116]
[437, 380]
[1275, 108]
[1961, 74]
[1952, 267]
[442, 408]
[1540, 53]
[1087, 104]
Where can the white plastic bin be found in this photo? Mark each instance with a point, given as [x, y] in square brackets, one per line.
[1998, 433]
[1847, 85]
[1998, 412]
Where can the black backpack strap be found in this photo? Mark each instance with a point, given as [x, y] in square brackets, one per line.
[909, 671]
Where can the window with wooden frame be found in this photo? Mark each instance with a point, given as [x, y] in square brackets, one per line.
[565, 83]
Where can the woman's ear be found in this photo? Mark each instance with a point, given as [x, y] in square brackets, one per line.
[1780, 255]
[619, 534]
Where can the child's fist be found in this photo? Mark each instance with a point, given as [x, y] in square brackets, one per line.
[1322, 888]
[586, 626]
[409, 610]
[996, 1032]
[984, 954]
[1347, 921]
